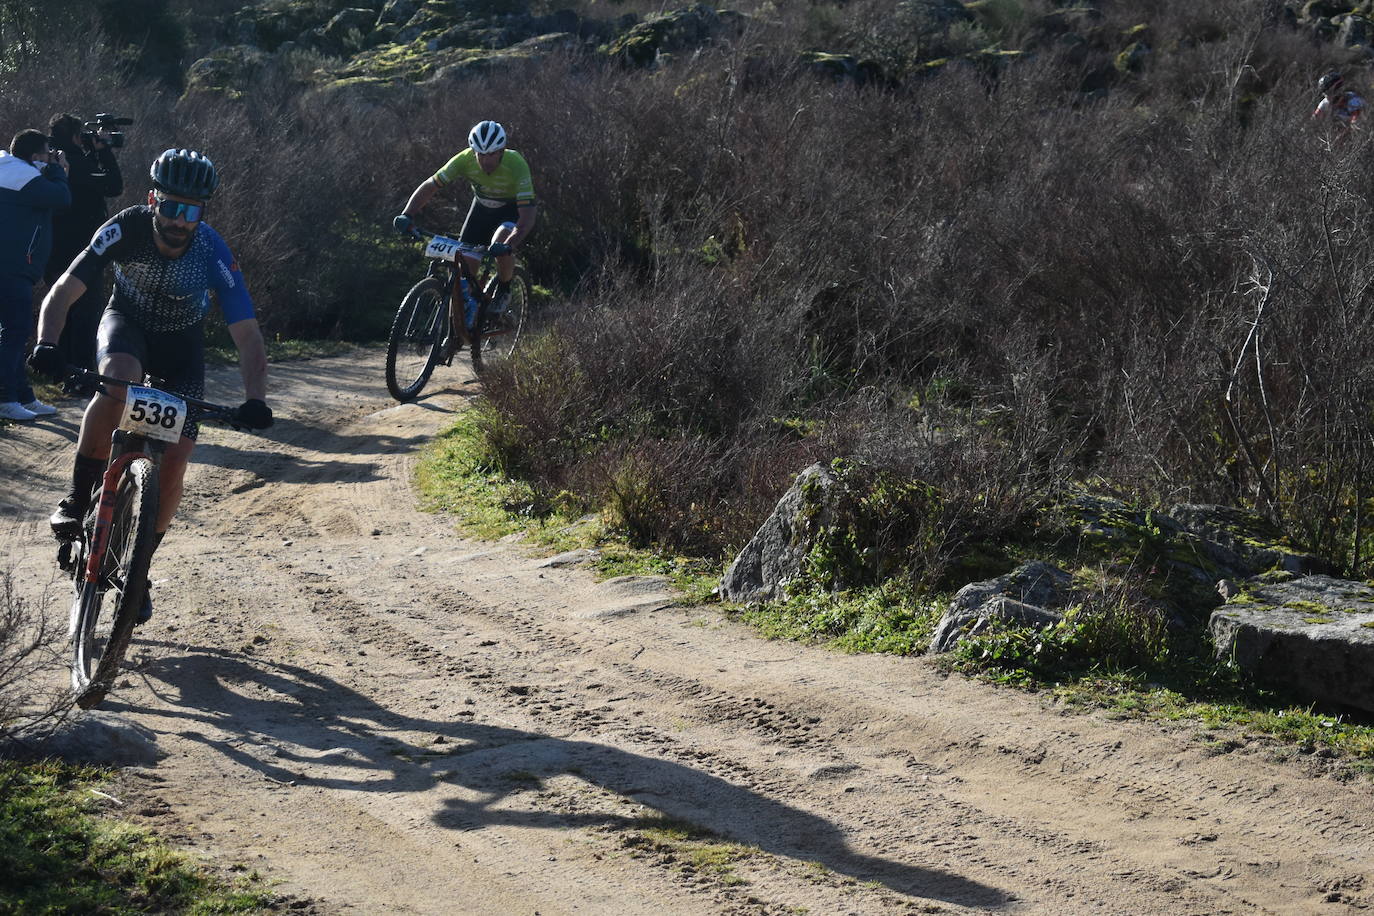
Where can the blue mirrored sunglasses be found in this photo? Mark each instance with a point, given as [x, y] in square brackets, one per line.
[171, 209]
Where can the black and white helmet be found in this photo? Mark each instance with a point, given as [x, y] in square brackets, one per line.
[184, 173]
[487, 137]
[1330, 81]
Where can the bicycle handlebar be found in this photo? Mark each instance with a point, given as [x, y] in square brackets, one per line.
[208, 410]
[424, 234]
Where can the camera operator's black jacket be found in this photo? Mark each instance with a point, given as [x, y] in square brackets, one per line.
[93, 176]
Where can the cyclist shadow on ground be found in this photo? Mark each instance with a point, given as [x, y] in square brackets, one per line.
[66, 423]
[270, 461]
[297, 726]
[276, 467]
[288, 431]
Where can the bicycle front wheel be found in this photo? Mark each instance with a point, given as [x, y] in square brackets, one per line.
[106, 610]
[417, 333]
[502, 330]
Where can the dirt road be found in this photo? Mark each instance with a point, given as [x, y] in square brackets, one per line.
[384, 717]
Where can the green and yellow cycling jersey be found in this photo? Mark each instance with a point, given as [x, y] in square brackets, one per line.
[509, 182]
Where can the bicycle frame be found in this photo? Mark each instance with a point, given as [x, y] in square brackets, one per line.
[125, 447]
[120, 458]
[467, 267]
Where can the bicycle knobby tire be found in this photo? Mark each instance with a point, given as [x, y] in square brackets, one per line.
[118, 592]
[417, 334]
[501, 343]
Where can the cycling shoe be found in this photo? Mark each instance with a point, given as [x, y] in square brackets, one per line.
[66, 519]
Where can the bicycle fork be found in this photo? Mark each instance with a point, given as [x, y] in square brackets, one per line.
[104, 519]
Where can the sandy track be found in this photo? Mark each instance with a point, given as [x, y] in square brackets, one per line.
[387, 718]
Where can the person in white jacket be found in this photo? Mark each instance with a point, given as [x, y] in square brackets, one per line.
[33, 184]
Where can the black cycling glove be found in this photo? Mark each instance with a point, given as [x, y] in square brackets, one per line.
[500, 249]
[404, 224]
[47, 361]
[254, 414]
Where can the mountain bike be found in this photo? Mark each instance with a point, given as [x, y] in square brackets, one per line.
[109, 557]
[431, 326]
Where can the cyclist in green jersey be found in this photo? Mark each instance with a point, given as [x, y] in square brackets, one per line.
[503, 206]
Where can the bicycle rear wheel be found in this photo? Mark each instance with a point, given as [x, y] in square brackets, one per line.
[417, 333]
[106, 610]
[501, 332]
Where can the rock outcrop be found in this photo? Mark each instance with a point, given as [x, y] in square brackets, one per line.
[774, 556]
[1313, 637]
[1030, 595]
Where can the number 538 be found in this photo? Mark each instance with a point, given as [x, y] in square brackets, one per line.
[153, 413]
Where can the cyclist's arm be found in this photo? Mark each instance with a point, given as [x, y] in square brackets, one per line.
[53, 317]
[421, 196]
[84, 273]
[237, 308]
[524, 223]
[252, 357]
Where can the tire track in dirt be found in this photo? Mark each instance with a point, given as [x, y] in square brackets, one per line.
[752, 713]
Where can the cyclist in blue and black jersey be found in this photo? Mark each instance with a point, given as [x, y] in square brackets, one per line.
[503, 206]
[166, 261]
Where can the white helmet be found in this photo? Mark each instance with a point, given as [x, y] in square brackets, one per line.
[487, 137]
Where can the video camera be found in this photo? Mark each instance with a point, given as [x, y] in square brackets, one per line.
[105, 120]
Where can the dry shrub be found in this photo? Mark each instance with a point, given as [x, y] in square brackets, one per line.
[32, 701]
[1086, 276]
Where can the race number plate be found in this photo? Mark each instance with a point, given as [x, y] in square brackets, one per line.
[153, 413]
[442, 248]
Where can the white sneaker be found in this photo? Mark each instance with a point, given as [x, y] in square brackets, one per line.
[13, 410]
[39, 409]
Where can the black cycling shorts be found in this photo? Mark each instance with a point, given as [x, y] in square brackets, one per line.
[482, 222]
[177, 358]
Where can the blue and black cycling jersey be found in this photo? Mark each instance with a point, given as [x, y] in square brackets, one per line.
[157, 292]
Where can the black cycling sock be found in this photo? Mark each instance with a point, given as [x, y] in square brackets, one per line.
[502, 287]
[86, 474]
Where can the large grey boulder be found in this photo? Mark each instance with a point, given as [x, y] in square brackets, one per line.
[1029, 595]
[103, 738]
[1353, 30]
[843, 525]
[678, 30]
[1313, 636]
[470, 64]
[1241, 544]
[348, 28]
[398, 12]
[774, 556]
[228, 70]
[1186, 547]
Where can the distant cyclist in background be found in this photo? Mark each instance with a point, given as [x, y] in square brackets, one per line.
[1339, 107]
[503, 206]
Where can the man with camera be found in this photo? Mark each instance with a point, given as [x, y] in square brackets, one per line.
[33, 184]
[93, 174]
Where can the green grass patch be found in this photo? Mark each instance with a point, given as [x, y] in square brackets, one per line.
[1222, 704]
[688, 846]
[695, 577]
[887, 618]
[459, 474]
[62, 855]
